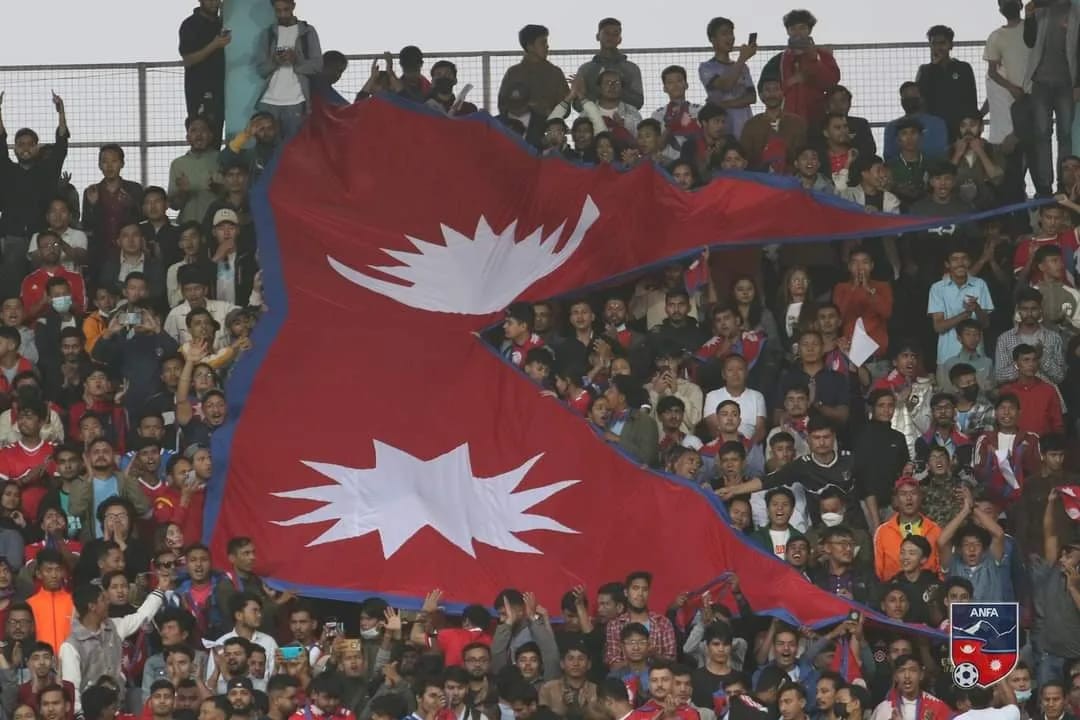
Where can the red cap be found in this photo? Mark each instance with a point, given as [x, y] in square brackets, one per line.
[905, 480]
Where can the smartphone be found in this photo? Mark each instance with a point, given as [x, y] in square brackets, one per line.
[292, 652]
[853, 616]
[226, 32]
[332, 627]
[131, 318]
[753, 38]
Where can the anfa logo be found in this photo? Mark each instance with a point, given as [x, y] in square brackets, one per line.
[984, 642]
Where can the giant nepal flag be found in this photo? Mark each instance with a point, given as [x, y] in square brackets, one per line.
[376, 445]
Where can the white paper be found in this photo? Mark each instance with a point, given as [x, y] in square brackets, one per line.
[862, 345]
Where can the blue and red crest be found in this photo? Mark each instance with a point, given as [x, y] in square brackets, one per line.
[984, 642]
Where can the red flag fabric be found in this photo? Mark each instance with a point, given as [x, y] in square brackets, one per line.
[1070, 500]
[379, 446]
[845, 661]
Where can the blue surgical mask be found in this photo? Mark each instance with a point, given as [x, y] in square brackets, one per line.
[1023, 696]
[61, 304]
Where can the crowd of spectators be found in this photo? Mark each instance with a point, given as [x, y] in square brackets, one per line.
[902, 457]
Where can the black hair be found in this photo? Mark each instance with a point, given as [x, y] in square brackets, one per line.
[111, 147]
[530, 34]
[673, 69]
[631, 629]
[781, 490]
[941, 31]
[800, 17]
[239, 601]
[715, 24]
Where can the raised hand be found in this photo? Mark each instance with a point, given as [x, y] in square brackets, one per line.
[58, 103]
[431, 601]
[393, 621]
[196, 350]
[530, 605]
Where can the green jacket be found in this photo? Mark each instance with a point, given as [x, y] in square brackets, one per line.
[82, 503]
[640, 437]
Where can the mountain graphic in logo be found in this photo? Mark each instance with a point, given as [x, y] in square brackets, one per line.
[992, 639]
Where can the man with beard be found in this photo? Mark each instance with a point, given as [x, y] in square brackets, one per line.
[230, 664]
[770, 138]
[240, 692]
[477, 660]
[19, 634]
[661, 631]
[105, 482]
[980, 166]
[633, 342]
[281, 691]
[33, 295]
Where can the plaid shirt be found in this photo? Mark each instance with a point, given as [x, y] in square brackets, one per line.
[661, 638]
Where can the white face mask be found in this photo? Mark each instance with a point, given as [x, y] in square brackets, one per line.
[1023, 695]
[370, 634]
[832, 519]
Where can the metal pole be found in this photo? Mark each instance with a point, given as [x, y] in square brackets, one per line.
[485, 64]
[144, 149]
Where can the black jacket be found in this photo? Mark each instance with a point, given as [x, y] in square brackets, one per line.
[880, 454]
[153, 269]
[137, 358]
[25, 192]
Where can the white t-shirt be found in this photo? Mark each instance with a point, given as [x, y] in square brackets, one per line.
[779, 541]
[1009, 712]
[1006, 47]
[284, 87]
[74, 238]
[751, 407]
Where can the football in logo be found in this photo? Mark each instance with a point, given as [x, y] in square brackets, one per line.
[984, 642]
[966, 676]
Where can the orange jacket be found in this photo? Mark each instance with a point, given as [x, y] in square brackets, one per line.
[887, 541]
[93, 326]
[52, 616]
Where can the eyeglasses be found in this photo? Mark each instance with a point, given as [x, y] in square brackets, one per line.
[20, 623]
[166, 565]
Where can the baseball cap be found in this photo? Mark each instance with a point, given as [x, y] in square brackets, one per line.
[240, 682]
[905, 480]
[225, 215]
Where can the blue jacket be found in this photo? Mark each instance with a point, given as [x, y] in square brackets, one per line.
[935, 139]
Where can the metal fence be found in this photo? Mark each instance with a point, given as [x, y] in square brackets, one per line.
[141, 106]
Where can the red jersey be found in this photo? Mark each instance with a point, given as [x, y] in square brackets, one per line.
[30, 551]
[580, 403]
[452, 642]
[166, 507]
[516, 353]
[21, 365]
[1026, 248]
[33, 289]
[652, 710]
[113, 415]
[16, 463]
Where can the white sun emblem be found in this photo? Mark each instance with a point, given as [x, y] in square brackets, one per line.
[995, 665]
[472, 276]
[403, 494]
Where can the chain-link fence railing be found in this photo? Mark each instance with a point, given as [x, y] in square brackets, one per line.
[141, 106]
